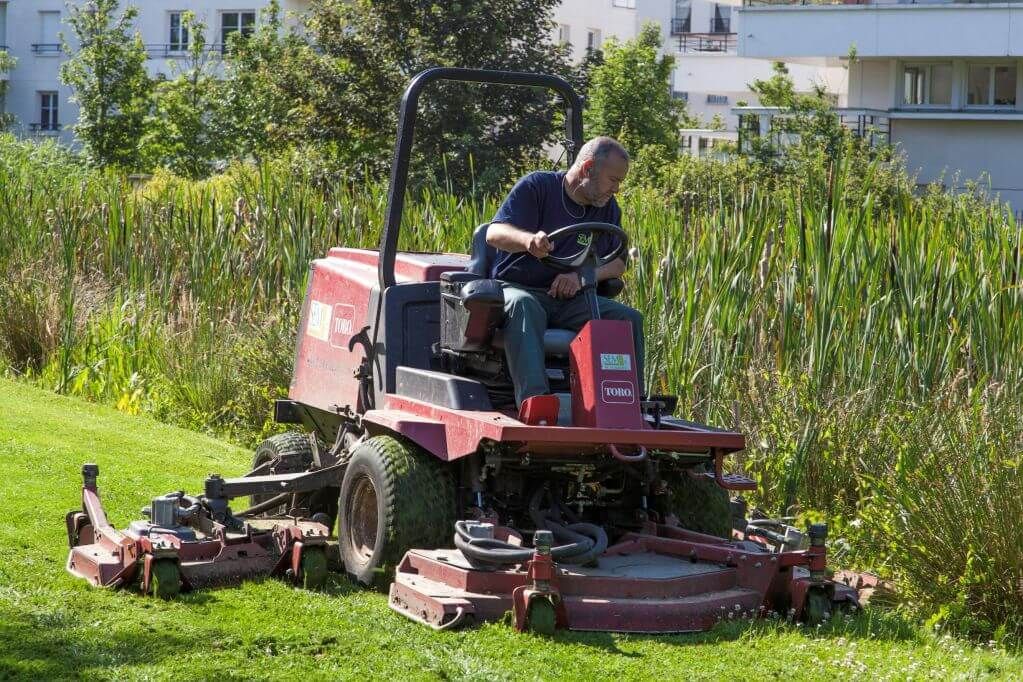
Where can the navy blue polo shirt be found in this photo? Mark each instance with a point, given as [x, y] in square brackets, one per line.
[539, 202]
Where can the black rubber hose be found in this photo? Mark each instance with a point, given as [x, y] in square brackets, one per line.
[585, 542]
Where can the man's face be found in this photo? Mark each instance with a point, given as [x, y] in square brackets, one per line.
[602, 183]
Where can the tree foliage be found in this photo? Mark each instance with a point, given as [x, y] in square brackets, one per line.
[629, 96]
[107, 71]
[7, 63]
[807, 115]
[465, 133]
[183, 131]
[267, 87]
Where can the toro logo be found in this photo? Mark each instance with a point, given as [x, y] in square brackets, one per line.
[342, 325]
[617, 392]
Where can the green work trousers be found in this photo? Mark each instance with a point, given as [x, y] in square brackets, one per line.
[528, 314]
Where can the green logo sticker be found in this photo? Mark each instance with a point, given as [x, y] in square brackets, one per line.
[584, 239]
[616, 361]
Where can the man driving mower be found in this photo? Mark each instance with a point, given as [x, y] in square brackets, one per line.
[535, 294]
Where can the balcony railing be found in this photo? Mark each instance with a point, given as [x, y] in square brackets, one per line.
[873, 125]
[707, 42]
[680, 25]
[719, 25]
[178, 51]
[46, 48]
[44, 127]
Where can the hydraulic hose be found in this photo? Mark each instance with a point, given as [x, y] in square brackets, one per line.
[585, 542]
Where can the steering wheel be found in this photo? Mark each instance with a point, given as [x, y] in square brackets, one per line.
[576, 261]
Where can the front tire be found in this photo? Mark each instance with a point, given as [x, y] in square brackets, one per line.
[394, 497]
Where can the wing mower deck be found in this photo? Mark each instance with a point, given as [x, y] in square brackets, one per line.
[662, 580]
[187, 544]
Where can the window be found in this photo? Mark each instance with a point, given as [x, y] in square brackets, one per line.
[564, 34]
[991, 85]
[236, 22]
[680, 95]
[681, 20]
[628, 4]
[593, 39]
[49, 34]
[48, 111]
[178, 34]
[721, 22]
[927, 84]
[717, 99]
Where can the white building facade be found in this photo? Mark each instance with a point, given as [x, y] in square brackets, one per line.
[702, 37]
[946, 79]
[30, 30]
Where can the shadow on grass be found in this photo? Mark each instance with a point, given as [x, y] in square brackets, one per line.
[872, 624]
[29, 651]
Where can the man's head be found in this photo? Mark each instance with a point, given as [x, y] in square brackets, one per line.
[599, 170]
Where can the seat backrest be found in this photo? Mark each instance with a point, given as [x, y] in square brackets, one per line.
[481, 255]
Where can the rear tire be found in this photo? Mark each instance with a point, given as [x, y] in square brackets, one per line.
[394, 497]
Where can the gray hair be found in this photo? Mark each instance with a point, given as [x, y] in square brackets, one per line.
[599, 149]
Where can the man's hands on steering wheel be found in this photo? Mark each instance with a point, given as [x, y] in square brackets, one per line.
[580, 269]
[539, 246]
[565, 285]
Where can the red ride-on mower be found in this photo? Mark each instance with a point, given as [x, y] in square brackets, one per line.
[594, 508]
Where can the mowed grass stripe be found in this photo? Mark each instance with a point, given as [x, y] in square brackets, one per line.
[53, 626]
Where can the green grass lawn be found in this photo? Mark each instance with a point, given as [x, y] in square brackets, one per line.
[55, 626]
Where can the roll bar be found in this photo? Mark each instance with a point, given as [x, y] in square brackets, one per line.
[406, 130]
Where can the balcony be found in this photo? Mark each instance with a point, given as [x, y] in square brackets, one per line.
[46, 48]
[690, 43]
[824, 30]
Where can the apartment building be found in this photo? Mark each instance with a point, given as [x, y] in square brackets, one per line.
[702, 37]
[943, 80]
[30, 31]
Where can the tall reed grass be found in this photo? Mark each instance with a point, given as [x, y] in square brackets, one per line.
[855, 340]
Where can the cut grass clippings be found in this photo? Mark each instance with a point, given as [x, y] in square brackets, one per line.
[54, 626]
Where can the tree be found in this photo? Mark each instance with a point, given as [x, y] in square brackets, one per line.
[268, 87]
[465, 133]
[182, 132]
[630, 96]
[7, 63]
[809, 115]
[111, 86]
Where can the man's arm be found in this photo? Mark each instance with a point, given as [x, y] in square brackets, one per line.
[615, 268]
[511, 239]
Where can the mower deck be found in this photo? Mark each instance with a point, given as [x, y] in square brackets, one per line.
[663, 580]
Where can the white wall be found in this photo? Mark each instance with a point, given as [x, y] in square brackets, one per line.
[603, 16]
[870, 84]
[923, 30]
[934, 148]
